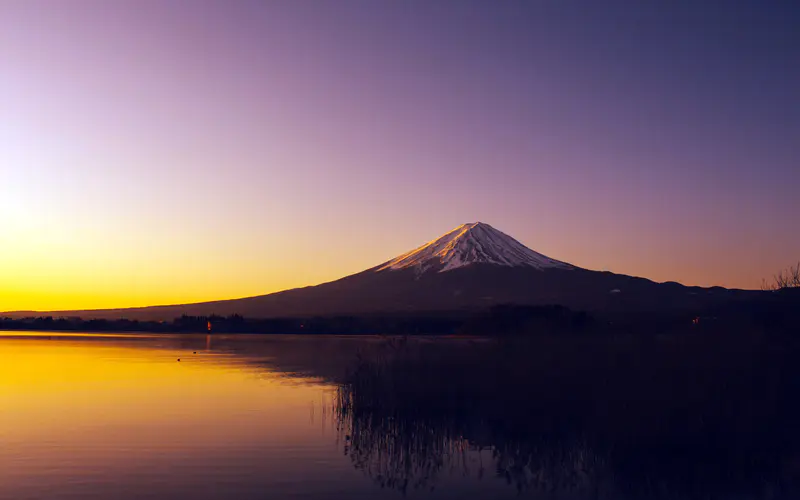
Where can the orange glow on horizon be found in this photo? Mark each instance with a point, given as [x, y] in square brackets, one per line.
[35, 281]
[207, 151]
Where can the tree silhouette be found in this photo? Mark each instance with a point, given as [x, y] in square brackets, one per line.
[788, 278]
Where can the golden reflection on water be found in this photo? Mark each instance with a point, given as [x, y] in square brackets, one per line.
[72, 405]
[52, 384]
[186, 416]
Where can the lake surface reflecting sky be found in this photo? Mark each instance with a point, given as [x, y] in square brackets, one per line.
[122, 417]
[196, 416]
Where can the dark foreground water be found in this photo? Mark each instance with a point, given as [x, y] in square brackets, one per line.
[91, 417]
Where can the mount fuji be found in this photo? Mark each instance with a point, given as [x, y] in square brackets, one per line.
[472, 266]
[476, 243]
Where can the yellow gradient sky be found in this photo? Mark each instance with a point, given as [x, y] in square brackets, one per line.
[205, 150]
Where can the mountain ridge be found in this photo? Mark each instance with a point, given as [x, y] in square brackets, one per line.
[470, 243]
[471, 266]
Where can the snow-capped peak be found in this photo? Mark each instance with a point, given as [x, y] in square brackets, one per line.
[472, 243]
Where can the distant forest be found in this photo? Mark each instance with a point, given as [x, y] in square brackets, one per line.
[500, 319]
[777, 311]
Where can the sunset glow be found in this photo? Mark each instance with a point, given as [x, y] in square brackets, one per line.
[163, 152]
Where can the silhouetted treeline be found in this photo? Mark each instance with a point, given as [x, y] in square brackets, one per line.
[516, 319]
[405, 325]
[501, 320]
[74, 324]
[331, 325]
[777, 311]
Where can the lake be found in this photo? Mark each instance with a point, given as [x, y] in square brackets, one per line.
[210, 416]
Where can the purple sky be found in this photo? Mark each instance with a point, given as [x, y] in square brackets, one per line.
[164, 151]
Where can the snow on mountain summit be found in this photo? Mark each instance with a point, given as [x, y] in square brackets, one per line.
[472, 243]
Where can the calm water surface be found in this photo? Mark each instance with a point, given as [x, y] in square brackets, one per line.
[120, 417]
[138, 416]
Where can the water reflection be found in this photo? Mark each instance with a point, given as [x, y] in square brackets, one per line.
[120, 417]
[675, 417]
[343, 417]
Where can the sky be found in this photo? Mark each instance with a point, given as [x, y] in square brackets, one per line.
[164, 151]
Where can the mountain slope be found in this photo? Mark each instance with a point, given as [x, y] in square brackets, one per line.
[471, 244]
[469, 267]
